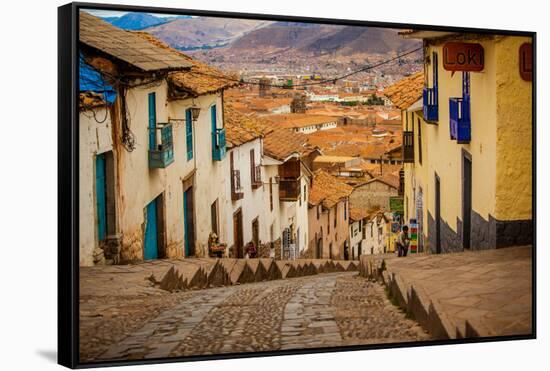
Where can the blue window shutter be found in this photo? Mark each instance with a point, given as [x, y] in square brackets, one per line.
[152, 122]
[189, 134]
[101, 197]
[214, 134]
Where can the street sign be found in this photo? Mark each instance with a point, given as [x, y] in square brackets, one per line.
[463, 57]
[396, 204]
[526, 61]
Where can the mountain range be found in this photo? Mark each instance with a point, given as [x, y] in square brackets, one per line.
[259, 38]
[139, 21]
[318, 39]
[203, 32]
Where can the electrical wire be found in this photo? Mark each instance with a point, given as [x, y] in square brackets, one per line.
[328, 80]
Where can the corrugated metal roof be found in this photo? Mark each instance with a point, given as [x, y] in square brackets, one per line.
[127, 46]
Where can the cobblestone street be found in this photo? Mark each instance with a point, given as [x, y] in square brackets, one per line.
[323, 310]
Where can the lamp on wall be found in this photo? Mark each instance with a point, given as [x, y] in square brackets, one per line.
[195, 111]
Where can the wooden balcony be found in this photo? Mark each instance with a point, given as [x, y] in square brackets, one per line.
[163, 153]
[408, 147]
[289, 189]
[236, 189]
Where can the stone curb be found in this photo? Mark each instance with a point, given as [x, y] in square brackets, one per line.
[416, 302]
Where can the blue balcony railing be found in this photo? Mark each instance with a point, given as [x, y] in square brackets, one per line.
[460, 121]
[163, 154]
[431, 111]
[218, 144]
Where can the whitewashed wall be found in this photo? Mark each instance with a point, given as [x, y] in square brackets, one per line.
[95, 138]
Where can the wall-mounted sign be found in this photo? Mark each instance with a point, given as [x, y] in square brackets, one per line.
[526, 61]
[413, 235]
[396, 204]
[463, 57]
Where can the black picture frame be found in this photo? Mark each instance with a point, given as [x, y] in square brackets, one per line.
[68, 182]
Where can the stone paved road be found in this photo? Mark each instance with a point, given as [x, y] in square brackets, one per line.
[314, 311]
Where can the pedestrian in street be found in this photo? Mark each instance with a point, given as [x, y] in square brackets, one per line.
[250, 250]
[403, 241]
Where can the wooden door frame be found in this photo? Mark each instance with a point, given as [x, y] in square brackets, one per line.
[237, 250]
[161, 226]
[189, 184]
[466, 156]
[437, 194]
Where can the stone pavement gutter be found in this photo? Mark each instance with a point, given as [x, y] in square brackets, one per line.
[460, 295]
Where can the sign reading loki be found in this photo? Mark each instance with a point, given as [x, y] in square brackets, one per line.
[463, 57]
[526, 61]
[396, 204]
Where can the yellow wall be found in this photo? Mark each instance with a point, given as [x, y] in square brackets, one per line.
[446, 154]
[417, 176]
[500, 145]
[514, 134]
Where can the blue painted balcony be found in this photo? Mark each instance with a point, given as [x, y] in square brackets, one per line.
[218, 144]
[460, 121]
[163, 154]
[431, 109]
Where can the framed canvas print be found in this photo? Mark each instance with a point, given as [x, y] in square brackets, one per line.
[240, 185]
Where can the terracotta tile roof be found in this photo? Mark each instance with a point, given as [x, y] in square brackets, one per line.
[406, 91]
[264, 104]
[241, 128]
[374, 169]
[298, 120]
[327, 189]
[282, 143]
[200, 78]
[395, 148]
[359, 213]
[333, 159]
[126, 46]
[391, 180]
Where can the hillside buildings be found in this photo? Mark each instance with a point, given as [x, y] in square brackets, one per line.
[328, 213]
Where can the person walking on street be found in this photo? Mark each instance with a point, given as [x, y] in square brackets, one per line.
[403, 241]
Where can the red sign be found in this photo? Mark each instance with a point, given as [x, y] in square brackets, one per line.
[463, 57]
[526, 61]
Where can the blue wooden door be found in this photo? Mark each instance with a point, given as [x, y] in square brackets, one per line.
[100, 197]
[151, 239]
[186, 223]
[152, 122]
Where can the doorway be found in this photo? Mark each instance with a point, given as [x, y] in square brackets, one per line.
[437, 214]
[154, 227]
[188, 222]
[238, 233]
[105, 195]
[466, 200]
[256, 233]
